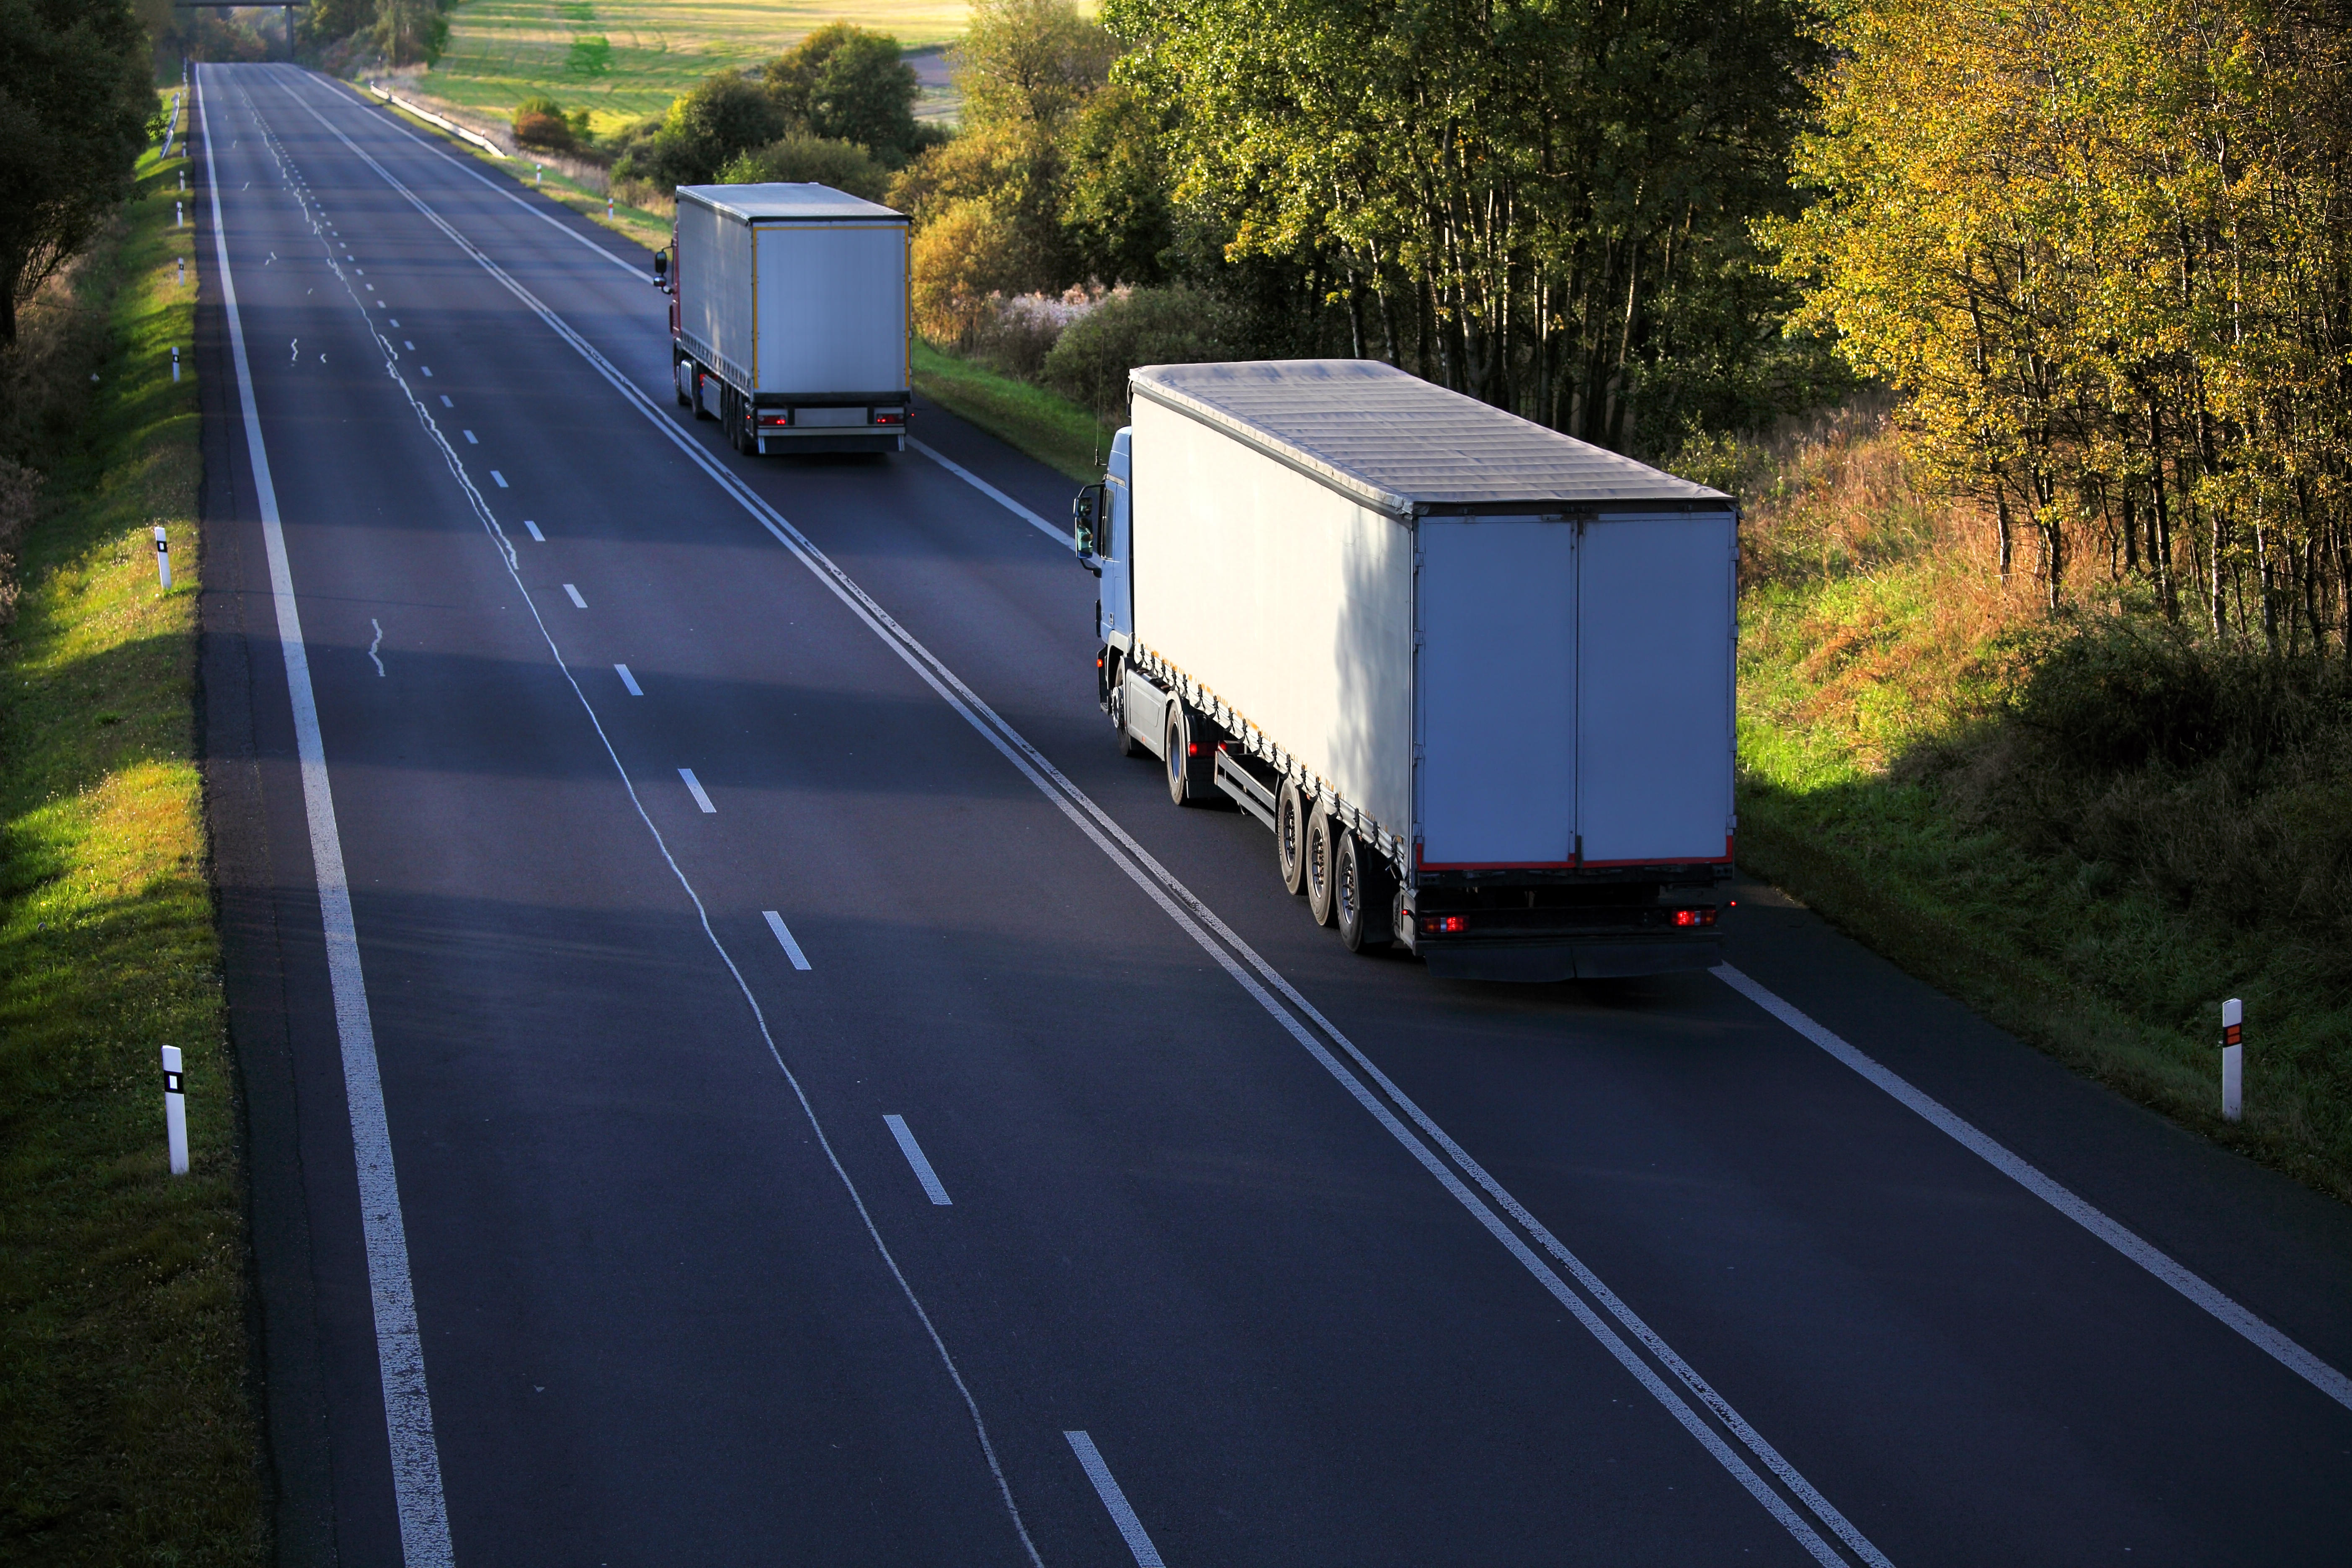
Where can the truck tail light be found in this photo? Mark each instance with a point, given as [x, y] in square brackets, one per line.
[1704, 916]
[776, 421]
[1444, 925]
[889, 417]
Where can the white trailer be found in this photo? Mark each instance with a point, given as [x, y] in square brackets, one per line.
[1475, 675]
[788, 317]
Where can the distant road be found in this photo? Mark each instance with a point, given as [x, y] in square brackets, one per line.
[741, 1071]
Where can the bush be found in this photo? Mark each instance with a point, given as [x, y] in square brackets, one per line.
[722, 117]
[806, 160]
[968, 252]
[542, 122]
[1143, 326]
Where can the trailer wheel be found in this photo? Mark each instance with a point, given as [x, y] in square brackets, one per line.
[1361, 896]
[1290, 836]
[1321, 867]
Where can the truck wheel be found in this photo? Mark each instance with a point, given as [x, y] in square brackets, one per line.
[1180, 772]
[1290, 836]
[1129, 746]
[1361, 896]
[1320, 870]
[682, 381]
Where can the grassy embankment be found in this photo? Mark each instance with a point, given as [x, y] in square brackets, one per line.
[122, 1399]
[624, 60]
[1047, 426]
[2088, 830]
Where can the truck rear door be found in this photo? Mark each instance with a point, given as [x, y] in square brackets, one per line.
[1654, 617]
[1497, 692]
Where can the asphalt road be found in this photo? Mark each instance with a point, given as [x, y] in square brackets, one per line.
[1329, 1262]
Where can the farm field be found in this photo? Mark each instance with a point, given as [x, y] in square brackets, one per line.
[624, 59]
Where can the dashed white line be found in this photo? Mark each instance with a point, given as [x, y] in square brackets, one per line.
[534, 530]
[471, 439]
[627, 680]
[784, 935]
[426, 368]
[445, 403]
[694, 786]
[405, 344]
[1122, 1513]
[499, 476]
[577, 602]
[914, 1153]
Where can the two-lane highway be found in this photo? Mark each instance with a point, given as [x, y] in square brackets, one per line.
[739, 1069]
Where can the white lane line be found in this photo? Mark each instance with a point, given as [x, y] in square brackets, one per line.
[751, 1000]
[471, 439]
[405, 342]
[1122, 1514]
[784, 935]
[500, 478]
[445, 403]
[534, 530]
[417, 1498]
[627, 679]
[694, 785]
[914, 1153]
[426, 368]
[577, 602]
[2224, 1310]
[998, 496]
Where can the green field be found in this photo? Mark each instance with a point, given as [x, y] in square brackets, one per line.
[624, 59]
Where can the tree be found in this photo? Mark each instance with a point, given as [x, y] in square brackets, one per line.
[76, 102]
[810, 159]
[409, 32]
[723, 115]
[1030, 64]
[1115, 188]
[846, 84]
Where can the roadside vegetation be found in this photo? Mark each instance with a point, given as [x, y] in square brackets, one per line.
[123, 1405]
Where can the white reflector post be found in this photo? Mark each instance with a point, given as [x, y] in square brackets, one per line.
[2233, 1057]
[175, 1111]
[162, 559]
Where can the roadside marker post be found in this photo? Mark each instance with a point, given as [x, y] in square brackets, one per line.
[175, 364]
[179, 215]
[163, 555]
[2233, 1057]
[184, 271]
[175, 1111]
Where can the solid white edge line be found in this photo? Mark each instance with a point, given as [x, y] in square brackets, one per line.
[2222, 1307]
[1122, 1513]
[998, 496]
[694, 786]
[627, 680]
[1161, 886]
[418, 1500]
[702, 914]
[933, 1187]
[784, 938]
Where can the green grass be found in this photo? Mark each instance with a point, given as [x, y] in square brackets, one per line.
[624, 60]
[123, 1364]
[1887, 781]
[1052, 429]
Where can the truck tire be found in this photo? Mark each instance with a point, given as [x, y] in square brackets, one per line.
[682, 381]
[1181, 787]
[1321, 871]
[1290, 836]
[1129, 746]
[1361, 896]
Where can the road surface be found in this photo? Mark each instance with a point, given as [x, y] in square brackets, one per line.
[739, 1069]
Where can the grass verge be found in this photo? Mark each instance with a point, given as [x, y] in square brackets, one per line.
[122, 1354]
[1914, 767]
[1052, 429]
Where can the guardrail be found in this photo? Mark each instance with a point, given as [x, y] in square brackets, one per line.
[451, 126]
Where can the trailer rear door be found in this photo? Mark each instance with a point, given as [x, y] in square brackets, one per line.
[1497, 692]
[1655, 612]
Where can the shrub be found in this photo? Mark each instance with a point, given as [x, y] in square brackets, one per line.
[805, 160]
[962, 256]
[1143, 326]
[722, 116]
[542, 122]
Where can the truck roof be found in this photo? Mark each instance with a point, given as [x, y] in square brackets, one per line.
[1400, 444]
[757, 203]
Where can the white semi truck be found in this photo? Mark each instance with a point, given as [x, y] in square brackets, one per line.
[1476, 676]
[788, 317]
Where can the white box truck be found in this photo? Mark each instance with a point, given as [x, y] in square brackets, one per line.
[788, 317]
[1475, 675]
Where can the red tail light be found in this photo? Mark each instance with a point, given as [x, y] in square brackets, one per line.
[1444, 925]
[889, 417]
[1704, 916]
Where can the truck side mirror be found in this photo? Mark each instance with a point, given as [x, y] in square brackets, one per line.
[1082, 520]
[661, 270]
